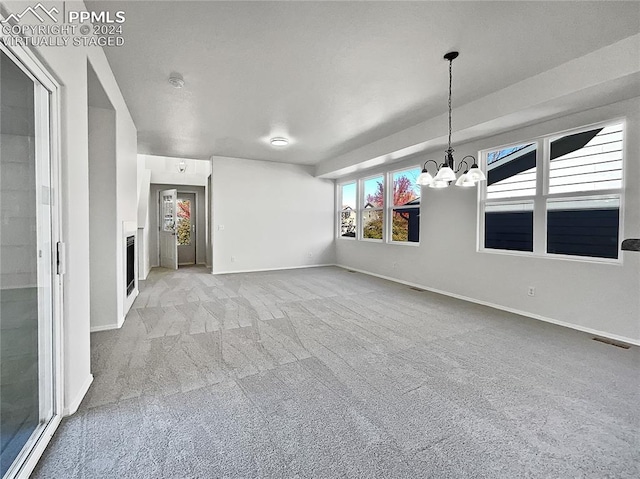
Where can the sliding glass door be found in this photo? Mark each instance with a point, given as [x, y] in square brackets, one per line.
[28, 281]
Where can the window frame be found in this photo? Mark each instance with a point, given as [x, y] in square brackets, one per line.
[390, 207]
[542, 196]
[339, 190]
[386, 209]
[360, 203]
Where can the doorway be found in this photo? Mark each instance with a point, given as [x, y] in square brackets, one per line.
[186, 229]
[177, 225]
[30, 286]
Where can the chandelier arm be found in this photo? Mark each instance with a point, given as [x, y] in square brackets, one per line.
[430, 161]
[472, 157]
[460, 165]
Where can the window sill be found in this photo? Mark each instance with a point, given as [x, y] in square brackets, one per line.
[404, 243]
[552, 256]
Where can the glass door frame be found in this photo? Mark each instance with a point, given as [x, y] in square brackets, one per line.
[47, 124]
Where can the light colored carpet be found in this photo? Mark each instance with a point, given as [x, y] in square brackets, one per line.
[323, 373]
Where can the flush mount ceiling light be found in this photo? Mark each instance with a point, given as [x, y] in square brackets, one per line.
[447, 170]
[279, 141]
[176, 80]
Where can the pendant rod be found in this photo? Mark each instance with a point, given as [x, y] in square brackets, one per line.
[450, 57]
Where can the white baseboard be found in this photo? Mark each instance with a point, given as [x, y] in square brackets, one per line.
[145, 274]
[274, 269]
[75, 404]
[527, 314]
[106, 327]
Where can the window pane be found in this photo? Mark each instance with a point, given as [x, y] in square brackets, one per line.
[184, 222]
[405, 189]
[348, 223]
[511, 172]
[374, 192]
[587, 161]
[509, 227]
[406, 198]
[406, 224]
[583, 227]
[349, 196]
[348, 217]
[372, 222]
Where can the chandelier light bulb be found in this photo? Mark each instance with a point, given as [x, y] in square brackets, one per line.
[425, 178]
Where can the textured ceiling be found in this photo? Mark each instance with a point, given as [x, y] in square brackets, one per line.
[331, 76]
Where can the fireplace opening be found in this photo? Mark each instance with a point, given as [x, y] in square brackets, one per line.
[131, 258]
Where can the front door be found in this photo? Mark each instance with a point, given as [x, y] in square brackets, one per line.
[168, 228]
[186, 228]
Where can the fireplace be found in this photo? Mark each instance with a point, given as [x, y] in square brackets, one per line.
[131, 263]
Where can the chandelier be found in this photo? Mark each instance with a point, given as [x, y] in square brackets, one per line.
[446, 171]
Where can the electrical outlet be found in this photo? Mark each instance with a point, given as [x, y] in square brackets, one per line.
[531, 291]
[233, 259]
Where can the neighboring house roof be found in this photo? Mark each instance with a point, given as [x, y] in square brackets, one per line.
[525, 158]
[409, 205]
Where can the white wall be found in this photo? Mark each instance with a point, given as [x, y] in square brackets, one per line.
[144, 217]
[102, 198]
[274, 215]
[587, 295]
[69, 66]
[127, 201]
[164, 170]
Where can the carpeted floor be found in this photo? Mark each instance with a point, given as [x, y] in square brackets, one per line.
[323, 373]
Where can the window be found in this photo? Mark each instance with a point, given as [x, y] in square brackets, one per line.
[348, 214]
[583, 227]
[571, 206]
[371, 211]
[184, 222]
[511, 173]
[405, 206]
[585, 163]
[372, 208]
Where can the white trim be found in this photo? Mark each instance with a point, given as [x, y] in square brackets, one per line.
[75, 404]
[552, 256]
[604, 334]
[274, 269]
[404, 243]
[542, 197]
[131, 298]
[106, 327]
[29, 62]
[36, 453]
